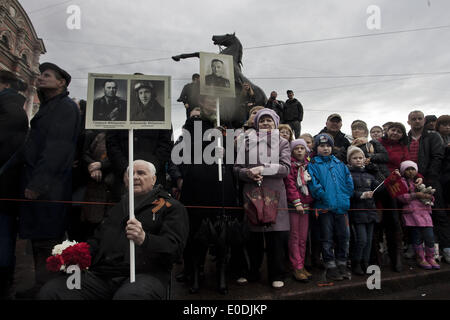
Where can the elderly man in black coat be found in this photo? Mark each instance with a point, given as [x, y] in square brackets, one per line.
[48, 155]
[13, 130]
[159, 231]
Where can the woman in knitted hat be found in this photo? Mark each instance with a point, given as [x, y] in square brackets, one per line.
[299, 201]
[266, 163]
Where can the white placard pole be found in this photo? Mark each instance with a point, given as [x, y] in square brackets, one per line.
[131, 197]
[219, 142]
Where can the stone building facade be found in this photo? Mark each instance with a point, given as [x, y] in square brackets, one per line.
[20, 48]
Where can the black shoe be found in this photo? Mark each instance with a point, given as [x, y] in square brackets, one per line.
[334, 274]
[357, 268]
[343, 270]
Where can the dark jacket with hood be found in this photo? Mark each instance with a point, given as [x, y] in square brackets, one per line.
[48, 155]
[166, 225]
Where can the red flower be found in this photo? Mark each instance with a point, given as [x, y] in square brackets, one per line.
[77, 254]
[54, 263]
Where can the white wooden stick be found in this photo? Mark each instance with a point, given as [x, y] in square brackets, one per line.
[131, 197]
[219, 142]
[378, 186]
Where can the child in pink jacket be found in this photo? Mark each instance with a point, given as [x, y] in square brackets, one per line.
[417, 216]
[298, 196]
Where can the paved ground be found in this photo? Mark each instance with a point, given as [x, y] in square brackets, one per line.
[413, 283]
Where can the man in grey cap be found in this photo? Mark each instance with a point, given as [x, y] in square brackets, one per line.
[341, 143]
[48, 155]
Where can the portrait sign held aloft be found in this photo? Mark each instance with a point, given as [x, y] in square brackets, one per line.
[216, 75]
[120, 101]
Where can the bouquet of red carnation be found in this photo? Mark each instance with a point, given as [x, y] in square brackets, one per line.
[69, 253]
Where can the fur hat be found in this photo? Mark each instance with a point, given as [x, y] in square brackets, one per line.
[296, 142]
[351, 150]
[407, 164]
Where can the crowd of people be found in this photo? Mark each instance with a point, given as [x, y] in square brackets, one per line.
[325, 201]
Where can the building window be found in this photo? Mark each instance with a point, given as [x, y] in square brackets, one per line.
[5, 40]
[25, 59]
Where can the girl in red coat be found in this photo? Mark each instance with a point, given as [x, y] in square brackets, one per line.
[298, 196]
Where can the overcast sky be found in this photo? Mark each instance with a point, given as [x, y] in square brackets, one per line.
[121, 36]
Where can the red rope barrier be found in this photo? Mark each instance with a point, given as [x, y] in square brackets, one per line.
[196, 207]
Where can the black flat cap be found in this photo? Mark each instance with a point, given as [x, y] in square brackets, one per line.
[48, 65]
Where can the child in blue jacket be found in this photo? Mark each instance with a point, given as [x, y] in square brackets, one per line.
[331, 186]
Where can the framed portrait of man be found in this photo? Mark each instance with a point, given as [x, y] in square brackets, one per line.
[216, 75]
[107, 102]
[150, 102]
[124, 101]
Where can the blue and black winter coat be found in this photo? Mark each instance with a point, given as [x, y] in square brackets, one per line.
[331, 185]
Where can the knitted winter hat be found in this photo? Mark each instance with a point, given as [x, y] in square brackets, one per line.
[323, 138]
[351, 150]
[267, 112]
[407, 164]
[297, 142]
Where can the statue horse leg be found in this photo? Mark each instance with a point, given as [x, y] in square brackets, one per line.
[186, 55]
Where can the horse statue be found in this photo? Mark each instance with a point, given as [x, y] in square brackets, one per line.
[231, 109]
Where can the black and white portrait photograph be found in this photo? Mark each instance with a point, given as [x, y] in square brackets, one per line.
[147, 100]
[216, 75]
[110, 102]
[107, 101]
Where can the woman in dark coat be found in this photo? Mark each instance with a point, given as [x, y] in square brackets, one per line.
[395, 142]
[270, 175]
